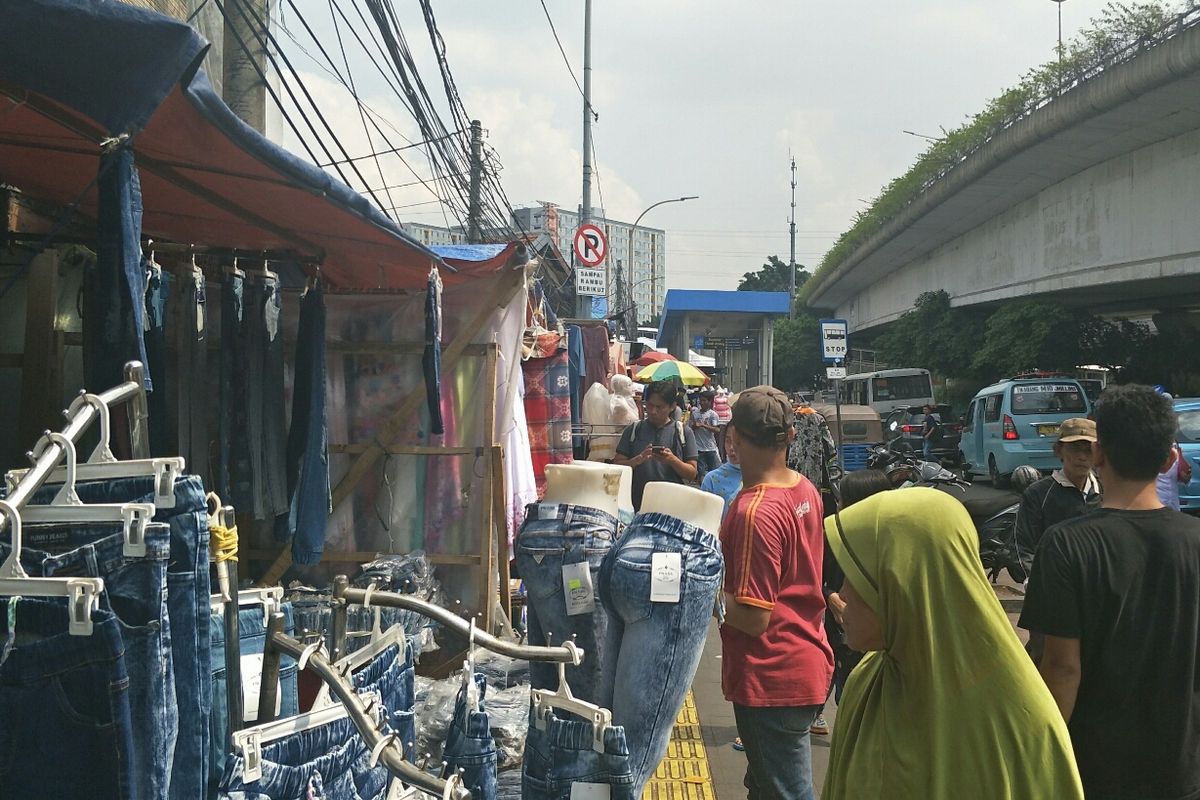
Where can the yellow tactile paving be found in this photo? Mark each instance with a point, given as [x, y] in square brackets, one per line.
[683, 773]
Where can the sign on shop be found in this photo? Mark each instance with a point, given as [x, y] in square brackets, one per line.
[833, 340]
[590, 282]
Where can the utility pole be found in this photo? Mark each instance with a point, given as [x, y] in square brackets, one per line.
[792, 260]
[585, 213]
[243, 88]
[474, 212]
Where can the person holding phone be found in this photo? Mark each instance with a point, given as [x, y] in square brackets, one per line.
[658, 447]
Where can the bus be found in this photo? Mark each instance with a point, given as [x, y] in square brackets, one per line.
[888, 389]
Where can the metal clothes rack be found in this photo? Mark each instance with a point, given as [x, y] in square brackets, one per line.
[132, 391]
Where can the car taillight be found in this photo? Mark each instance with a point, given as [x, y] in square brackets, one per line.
[1010, 430]
[909, 428]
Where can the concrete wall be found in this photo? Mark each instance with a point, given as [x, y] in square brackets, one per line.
[1132, 218]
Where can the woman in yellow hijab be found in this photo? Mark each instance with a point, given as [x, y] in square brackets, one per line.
[946, 704]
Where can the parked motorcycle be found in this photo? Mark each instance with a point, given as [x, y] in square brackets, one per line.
[994, 511]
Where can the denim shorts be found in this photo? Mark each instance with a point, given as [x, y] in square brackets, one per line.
[653, 648]
[135, 590]
[553, 536]
[470, 748]
[64, 702]
[563, 755]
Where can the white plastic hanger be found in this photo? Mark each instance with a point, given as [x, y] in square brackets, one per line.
[269, 598]
[248, 742]
[380, 642]
[67, 507]
[545, 702]
[470, 690]
[83, 594]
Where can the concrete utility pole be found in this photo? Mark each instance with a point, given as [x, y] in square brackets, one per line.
[585, 212]
[1060, 44]
[474, 212]
[792, 260]
[244, 90]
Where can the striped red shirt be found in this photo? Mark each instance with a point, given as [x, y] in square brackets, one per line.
[773, 542]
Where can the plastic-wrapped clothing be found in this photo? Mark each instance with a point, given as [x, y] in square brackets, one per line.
[622, 408]
[507, 708]
[596, 413]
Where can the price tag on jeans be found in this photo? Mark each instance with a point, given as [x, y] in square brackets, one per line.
[252, 666]
[577, 588]
[590, 791]
[665, 572]
[547, 511]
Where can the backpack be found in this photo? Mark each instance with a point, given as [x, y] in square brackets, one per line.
[938, 431]
[678, 435]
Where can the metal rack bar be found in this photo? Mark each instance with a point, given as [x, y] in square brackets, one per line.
[131, 390]
[392, 754]
[567, 654]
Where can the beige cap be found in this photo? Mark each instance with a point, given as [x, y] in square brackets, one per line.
[1077, 429]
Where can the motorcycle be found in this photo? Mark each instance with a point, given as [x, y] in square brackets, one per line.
[993, 511]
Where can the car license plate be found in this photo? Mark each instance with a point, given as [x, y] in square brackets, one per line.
[1047, 430]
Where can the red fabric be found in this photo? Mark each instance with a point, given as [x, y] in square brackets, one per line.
[548, 413]
[595, 357]
[773, 542]
[651, 357]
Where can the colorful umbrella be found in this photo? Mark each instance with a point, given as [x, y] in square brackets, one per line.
[652, 357]
[680, 371]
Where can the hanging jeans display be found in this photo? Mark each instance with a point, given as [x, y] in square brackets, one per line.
[263, 375]
[576, 369]
[653, 648]
[135, 591]
[470, 747]
[90, 719]
[431, 361]
[188, 609]
[115, 288]
[188, 388]
[562, 755]
[308, 440]
[554, 537]
[393, 678]
[252, 638]
[158, 293]
[233, 449]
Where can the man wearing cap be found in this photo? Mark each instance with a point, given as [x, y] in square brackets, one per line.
[776, 663]
[1067, 493]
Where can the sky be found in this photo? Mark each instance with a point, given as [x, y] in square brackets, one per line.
[704, 98]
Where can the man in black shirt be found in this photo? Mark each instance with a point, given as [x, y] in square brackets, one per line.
[1117, 595]
[1068, 493]
[658, 447]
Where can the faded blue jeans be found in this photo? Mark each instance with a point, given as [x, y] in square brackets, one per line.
[778, 751]
[470, 746]
[135, 590]
[65, 727]
[553, 536]
[563, 755]
[653, 648]
[394, 678]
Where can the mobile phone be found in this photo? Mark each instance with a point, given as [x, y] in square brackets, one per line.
[660, 450]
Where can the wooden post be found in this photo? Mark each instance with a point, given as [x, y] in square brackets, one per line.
[399, 422]
[41, 397]
[487, 507]
[500, 503]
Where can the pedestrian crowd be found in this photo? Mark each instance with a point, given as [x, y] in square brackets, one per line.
[839, 586]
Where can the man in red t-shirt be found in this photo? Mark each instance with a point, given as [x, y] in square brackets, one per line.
[777, 663]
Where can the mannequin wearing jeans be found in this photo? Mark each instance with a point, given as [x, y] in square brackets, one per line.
[653, 645]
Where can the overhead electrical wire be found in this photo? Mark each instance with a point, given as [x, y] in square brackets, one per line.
[567, 61]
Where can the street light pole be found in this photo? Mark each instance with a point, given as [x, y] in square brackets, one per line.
[1060, 44]
[633, 230]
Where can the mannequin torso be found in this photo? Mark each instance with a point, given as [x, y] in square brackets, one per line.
[683, 502]
[591, 485]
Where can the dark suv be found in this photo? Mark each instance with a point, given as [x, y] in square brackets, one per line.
[945, 446]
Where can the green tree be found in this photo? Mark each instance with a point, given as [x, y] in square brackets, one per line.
[933, 335]
[1031, 334]
[771, 277]
[797, 363]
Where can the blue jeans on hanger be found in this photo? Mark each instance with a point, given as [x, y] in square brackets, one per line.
[470, 746]
[158, 292]
[252, 638]
[188, 608]
[553, 536]
[308, 440]
[135, 591]
[653, 648]
[233, 449]
[262, 374]
[81, 745]
[187, 390]
[563, 755]
[115, 287]
[394, 679]
[326, 762]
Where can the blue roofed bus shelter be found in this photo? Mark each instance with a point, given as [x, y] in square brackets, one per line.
[735, 328]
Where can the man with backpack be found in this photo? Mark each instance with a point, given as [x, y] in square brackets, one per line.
[658, 447]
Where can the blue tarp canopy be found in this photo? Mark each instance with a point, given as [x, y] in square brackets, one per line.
[78, 72]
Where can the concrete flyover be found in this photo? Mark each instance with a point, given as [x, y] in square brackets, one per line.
[1092, 200]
